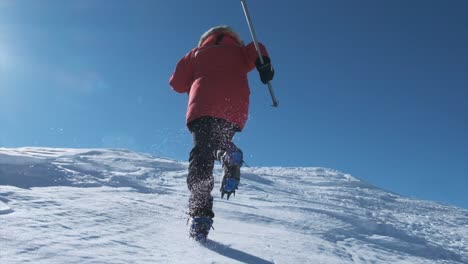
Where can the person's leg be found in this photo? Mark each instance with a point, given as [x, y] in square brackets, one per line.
[201, 162]
[231, 157]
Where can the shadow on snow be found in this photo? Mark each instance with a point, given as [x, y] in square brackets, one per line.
[234, 254]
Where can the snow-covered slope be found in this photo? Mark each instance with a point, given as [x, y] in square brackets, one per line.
[117, 206]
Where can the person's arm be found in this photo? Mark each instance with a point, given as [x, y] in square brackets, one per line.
[182, 78]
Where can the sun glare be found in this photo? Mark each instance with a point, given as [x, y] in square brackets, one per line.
[6, 59]
[3, 58]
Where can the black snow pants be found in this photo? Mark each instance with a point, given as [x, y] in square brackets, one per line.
[211, 136]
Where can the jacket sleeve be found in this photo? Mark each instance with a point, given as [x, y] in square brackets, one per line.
[252, 55]
[182, 78]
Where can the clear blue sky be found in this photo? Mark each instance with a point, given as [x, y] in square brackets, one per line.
[377, 89]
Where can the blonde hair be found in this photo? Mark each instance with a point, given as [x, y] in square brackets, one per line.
[222, 28]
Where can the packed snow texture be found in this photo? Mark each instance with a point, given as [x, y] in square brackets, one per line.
[118, 206]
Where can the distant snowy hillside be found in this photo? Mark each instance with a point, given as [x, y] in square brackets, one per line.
[118, 206]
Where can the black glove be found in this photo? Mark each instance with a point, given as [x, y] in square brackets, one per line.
[266, 70]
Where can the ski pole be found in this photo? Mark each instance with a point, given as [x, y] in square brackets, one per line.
[254, 37]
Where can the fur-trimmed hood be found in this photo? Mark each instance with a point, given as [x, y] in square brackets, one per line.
[220, 29]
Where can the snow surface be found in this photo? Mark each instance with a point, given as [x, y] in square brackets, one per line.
[118, 206]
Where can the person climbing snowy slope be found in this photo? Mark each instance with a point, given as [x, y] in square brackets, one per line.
[214, 75]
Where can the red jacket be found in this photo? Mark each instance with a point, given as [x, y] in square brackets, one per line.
[215, 78]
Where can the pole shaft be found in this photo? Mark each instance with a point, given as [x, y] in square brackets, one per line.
[254, 37]
[252, 29]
